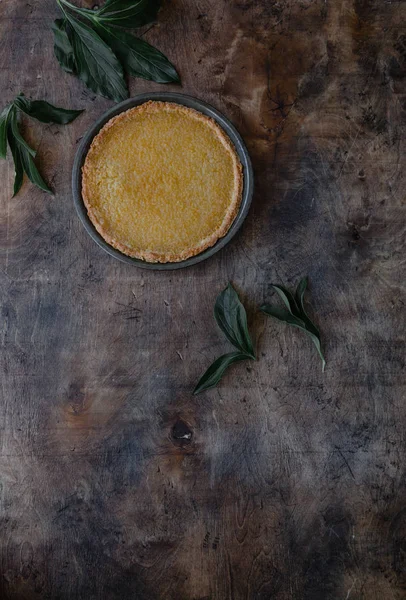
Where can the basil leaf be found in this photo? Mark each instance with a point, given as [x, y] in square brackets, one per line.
[46, 112]
[137, 56]
[97, 65]
[128, 13]
[17, 135]
[32, 171]
[232, 319]
[216, 371]
[62, 45]
[4, 119]
[288, 299]
[18, 165]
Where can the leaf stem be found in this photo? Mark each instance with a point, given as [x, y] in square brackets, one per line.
[8, 108]
[61, 7]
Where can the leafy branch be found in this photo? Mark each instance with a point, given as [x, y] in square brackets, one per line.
[23, 154]
[295, 313]
[98, 50]
[231, 317]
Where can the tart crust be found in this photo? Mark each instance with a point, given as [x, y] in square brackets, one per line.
[150, 254]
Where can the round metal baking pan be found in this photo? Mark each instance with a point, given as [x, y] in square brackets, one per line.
[191, 102]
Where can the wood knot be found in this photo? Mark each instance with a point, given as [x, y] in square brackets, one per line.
[78, 404]
[355, 235]
[76, 399]
[181, 433]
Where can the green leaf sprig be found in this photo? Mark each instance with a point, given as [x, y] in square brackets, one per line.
[98, 51]
[231, 317]
[295, 314]
[23, 154]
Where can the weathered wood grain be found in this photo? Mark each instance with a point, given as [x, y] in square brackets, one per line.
[290, 483]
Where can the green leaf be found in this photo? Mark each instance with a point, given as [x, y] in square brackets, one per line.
[311, 328]
[18, 165]
[232, 319]
[22, 153]
[62, 45]
[26, 155]
[46, 112]
[17, 135]
[137, 56]
[32, 171]
[288, 299]
[296, 317]
[283, 315]
[300, 291]
[4, 120]
[83, 12]
[97, 49]
[216, 371]
[128, 13]
[316, 341]
[97, 66]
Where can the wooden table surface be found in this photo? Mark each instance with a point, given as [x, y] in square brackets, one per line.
[291, 484]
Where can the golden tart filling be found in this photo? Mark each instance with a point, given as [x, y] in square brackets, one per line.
[162, 182]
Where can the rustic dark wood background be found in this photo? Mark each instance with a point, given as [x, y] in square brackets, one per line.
[290, 483]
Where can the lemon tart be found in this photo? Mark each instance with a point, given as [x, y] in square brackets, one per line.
[162, 182]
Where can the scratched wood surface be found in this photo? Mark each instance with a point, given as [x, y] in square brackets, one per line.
[284, 482]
